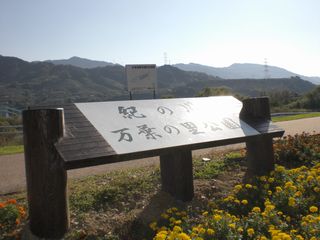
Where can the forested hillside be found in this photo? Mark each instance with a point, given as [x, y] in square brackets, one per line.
[23, 83]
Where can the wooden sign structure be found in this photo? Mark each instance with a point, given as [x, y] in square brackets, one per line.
[88, 134]
[141, 77]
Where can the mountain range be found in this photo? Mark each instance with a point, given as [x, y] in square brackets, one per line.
[234, 71]
[25, 83]
[244, 70]
[80, 62]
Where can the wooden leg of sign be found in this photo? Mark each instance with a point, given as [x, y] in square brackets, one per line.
[177, 175]
[260, 156]
[45, 172]
[260, 149]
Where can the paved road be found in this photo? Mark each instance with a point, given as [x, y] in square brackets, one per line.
[12, 172]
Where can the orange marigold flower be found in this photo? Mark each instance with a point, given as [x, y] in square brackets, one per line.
[2, 205]
[17, 221]
[12, 201]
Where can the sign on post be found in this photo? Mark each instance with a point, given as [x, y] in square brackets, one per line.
[88, 134]
[136, 126]
[141, 77]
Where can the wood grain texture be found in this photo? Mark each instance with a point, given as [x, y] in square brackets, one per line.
[177, 175]
[82, 141]
[260, 154]
[46, 173]
[83, 145]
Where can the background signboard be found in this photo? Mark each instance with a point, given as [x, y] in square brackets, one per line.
[141, 77]
[141, 125]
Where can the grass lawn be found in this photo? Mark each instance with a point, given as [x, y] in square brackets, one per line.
[295, 117]
[5, 150]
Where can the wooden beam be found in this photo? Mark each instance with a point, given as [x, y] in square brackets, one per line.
[177, 174]
[45, 172]
[260, 155]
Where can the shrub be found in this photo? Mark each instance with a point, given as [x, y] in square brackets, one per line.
[11, 214]
[297, 150]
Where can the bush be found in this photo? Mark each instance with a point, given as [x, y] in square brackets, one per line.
[11, 215]
[297, 150]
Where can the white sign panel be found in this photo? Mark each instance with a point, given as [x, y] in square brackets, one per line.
[134, 126]
[141, 77]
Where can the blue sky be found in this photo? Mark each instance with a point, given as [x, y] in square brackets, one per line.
[214, 33]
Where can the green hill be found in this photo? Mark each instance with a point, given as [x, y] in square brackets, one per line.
[23, 83]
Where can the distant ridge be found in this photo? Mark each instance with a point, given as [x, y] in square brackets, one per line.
[26, 84]
[81, 62]
[244, 70]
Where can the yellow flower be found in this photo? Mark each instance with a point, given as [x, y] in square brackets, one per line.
[291, 202]
[271, 180]
[174, 209]
[217, 217]
[210, 231]
[263, 178]
[269, 207]
[309, 178]
[250, 232]
[178, 222]
[316, 189]
[278, 189]
[177, 229]
[298, 194]
[232, 225]
[288, 184]
[244, 202]
[183, 236]
[183, 213]
[256, 209]
[205, 213]
[202, 230]
[279, 169]
[164, 215]
[313, 209]
[238, 187]
[240, 229]
[162, 235]
[248, 186]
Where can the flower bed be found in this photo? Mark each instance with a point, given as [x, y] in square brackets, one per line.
[283, 205]
[11, 214]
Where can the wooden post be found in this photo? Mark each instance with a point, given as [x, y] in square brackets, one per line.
[260, 155]
[45, 173]
[177, 174]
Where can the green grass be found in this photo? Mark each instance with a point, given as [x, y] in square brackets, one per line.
[218, 164]
[102, 192]
[11, 149]
[295, 117]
